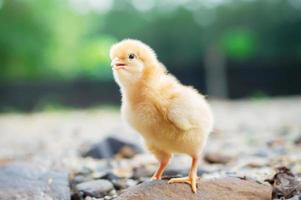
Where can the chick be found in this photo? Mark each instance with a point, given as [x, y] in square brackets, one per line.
[171, 117]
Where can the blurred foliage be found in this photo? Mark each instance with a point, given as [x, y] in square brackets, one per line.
[48, 39]
[239, 44]
[68, 39]
[259, 95]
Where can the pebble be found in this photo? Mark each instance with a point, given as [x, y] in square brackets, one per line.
[285, 184]
[92, 198]
[179, 165]
[217, 158]
[298, 141]
[121, 184]
[123, 172]
[110, 147]
[80, 178]
[143, 171]
[96, 188]
[174, 173]
[110, 176]
[85, 171]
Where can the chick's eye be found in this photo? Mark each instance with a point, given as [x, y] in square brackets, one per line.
[131, 56]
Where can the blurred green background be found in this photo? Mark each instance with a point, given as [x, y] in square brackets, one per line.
[55, 52]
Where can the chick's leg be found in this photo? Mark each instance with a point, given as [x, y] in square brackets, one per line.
[192, 177]
[163, 159]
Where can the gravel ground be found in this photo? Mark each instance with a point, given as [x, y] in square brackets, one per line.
[240, 127]
[251, 138]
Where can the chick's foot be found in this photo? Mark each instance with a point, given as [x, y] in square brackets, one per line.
[189, 180]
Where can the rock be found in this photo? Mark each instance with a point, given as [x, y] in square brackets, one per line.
[96, 188]
[111, 147]
[123, 172]
[85, 171]
[285, 184]
[173, 173]
[178, 166]
[121, 184]
[80, 178]
[98, 175]
[113, 194]
[298, 141]
[91, 198]
[296, 197]
[276, 142]
[226, 188]
[110, 176]
[216, 158]
[143, 171]
[263, 152]
[126, 152]
[27, 181]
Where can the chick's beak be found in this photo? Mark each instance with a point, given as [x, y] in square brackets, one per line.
[117, 64]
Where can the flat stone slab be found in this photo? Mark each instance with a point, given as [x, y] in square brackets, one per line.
[25, 181]
[226, 188]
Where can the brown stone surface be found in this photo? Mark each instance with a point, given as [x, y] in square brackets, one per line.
[225, 188]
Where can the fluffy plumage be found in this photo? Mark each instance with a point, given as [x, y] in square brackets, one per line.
[171, 117]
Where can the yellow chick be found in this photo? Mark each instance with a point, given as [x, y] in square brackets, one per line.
[171, 117]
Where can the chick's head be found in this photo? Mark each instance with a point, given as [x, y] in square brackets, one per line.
[130, 59]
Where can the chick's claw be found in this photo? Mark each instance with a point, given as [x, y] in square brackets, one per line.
[189, 180]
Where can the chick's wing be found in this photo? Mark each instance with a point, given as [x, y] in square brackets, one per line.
[184, 110]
